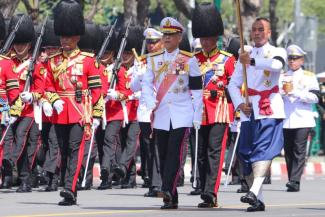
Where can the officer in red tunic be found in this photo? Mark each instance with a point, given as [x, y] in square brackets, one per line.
[216, 67]
[26, 130]
[124, 104]
[9, 93]
[51, 166]
[75, 93]
[106, 155]
[89, 42]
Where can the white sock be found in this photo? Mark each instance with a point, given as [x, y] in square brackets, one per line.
[257, 184]
[260, 194]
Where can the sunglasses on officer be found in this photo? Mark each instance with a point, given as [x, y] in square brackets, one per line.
[152, 41]
[293, 57]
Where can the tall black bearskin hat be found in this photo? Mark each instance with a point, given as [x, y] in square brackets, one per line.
[91, 40]
[49, 38]
[206, 21]
[26, 32]
[68, 19]
[185, 43]
[2, 27]
[233, 46]
[134, 39]
[112, 44]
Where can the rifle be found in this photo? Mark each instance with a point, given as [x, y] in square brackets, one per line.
[118, 60]
[32, 62]
[105, 44]
[4, 50]
[143, 47]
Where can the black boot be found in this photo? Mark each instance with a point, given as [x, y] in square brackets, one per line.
[169, 201]
[24, 187]
[209, 200]
[243, 187]
[69, 198]
[106, 183]
[293, 186]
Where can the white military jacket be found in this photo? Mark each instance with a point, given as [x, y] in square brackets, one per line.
[298, 103]
[269, 62]
[180, 106]
[143, 112]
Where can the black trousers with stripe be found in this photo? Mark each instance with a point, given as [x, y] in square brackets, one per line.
[170, 144]
[72, 147]
[25, 146]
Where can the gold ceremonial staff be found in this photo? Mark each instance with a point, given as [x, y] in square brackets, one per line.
[241, 37]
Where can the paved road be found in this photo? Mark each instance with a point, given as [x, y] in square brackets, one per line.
[124, 202]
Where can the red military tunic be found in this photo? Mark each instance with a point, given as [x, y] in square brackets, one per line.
[67, 73]
[9, 86]
[37, 85]
[114, 109]
[216, 68]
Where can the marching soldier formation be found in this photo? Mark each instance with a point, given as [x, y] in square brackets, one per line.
[79, 89]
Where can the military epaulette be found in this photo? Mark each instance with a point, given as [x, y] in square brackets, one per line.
[54, 55]
[226, 53]
[4, 57]
[156, 53]
[87, 54]
[197, 52]
[308, 73]
[185, 53]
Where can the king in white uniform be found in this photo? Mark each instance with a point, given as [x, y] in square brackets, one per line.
[177, 104]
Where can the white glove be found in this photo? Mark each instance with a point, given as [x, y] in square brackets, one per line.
[197, 125]
[96, 123]
[135, 95]
[112, 94]
[27, 97]
[12, 119]
[58, 105]
[47, 108]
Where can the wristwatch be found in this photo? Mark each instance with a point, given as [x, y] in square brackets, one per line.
[252, 63]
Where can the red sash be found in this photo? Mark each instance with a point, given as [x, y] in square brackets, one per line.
[168, 81]
[264, 103]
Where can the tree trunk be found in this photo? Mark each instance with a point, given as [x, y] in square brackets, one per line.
[273, 20]
[130, 10]
[8, 7]
[249, 12]
[93, 10]
[184, 7]
[142, 10]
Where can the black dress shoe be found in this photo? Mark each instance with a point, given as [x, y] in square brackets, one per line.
[169, 205]
[258, 206]
[129, 185]
[105, 184]
[196, 192]
[67, 202]
[250, 198]
[120, 171]
[293, 186]
[51, 188]
[209, 200]
[24, 188]
[153, 192]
